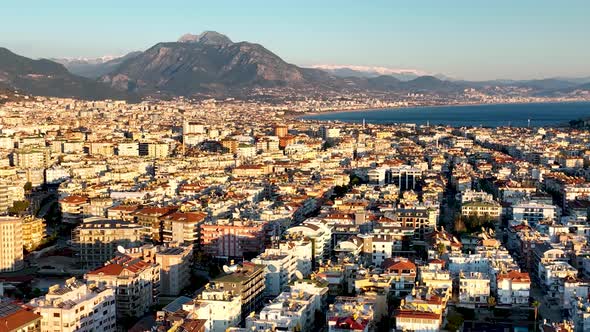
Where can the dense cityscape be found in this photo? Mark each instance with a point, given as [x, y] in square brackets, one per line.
[303, 166]
[229, 215]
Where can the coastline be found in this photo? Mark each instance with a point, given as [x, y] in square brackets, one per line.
[372, 109]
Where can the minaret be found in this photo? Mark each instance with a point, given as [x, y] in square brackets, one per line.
[364, 123]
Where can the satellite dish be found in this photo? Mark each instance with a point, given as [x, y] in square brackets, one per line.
[226, 269]
[121, 249]
[298, 275]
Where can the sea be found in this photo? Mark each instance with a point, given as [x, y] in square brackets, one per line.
[487, 115]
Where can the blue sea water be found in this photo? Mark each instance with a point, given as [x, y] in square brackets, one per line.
[491, 115]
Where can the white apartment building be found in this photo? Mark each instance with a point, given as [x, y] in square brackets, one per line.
[318, 232]
[182, 227]
[302, 250]
[220, 308]
[377, 176]
[381, 248]
[474, 195]
[11, 244]
[534, 212]
[31, 158]
[474, 288]
[435, 278]
[279, 271]
[513, 288]
[128, 149]
[76, 307]
[291, 310]
[486, 209]
[329, 133]
[551, 274]
[56, 174]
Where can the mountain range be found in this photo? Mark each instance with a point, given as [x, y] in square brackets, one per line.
[94, 67]
[47, 78]
[211, 63]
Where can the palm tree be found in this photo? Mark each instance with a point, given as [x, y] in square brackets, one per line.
[536, 304]
[491, 301]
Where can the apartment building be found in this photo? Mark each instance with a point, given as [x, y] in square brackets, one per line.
[136, 284]
[72, 208]
[422, 220]
[233, 238]
[351, 314]
[151, 220]
[33, 230]
[248, 282]
[32, 158]
[513, 288]
[474, 288]
[404, 274]
[174, 262]
[382, 248]
[76, 307]
[221, 309]
[483, 209]
[16, 318]
[97, 239]
[182, 227]
[319, 233]
[280, 270]
[292, 310]
[534, 212]
[11, 244]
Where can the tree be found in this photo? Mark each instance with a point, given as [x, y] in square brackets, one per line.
[441, 249]
[28, 187]
[536, 305]
[18, 207]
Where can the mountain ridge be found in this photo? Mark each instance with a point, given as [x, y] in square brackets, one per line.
[44, 77]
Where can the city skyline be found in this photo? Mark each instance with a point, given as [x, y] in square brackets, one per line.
[462, 40]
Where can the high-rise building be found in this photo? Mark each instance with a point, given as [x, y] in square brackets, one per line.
[247, 281]
[76, 306]
[97, 239]
[281, 131]
[11, 244]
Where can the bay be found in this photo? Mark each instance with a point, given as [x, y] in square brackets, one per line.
[487, 115]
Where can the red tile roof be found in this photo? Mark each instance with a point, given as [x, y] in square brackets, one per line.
[17, 320]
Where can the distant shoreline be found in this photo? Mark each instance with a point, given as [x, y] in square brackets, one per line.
[372, 109]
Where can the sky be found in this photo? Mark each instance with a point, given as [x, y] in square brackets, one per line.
[475, 39]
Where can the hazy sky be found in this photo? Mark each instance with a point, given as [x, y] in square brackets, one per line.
[475, 39]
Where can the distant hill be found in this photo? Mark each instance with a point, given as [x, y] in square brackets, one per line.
[47, 78]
